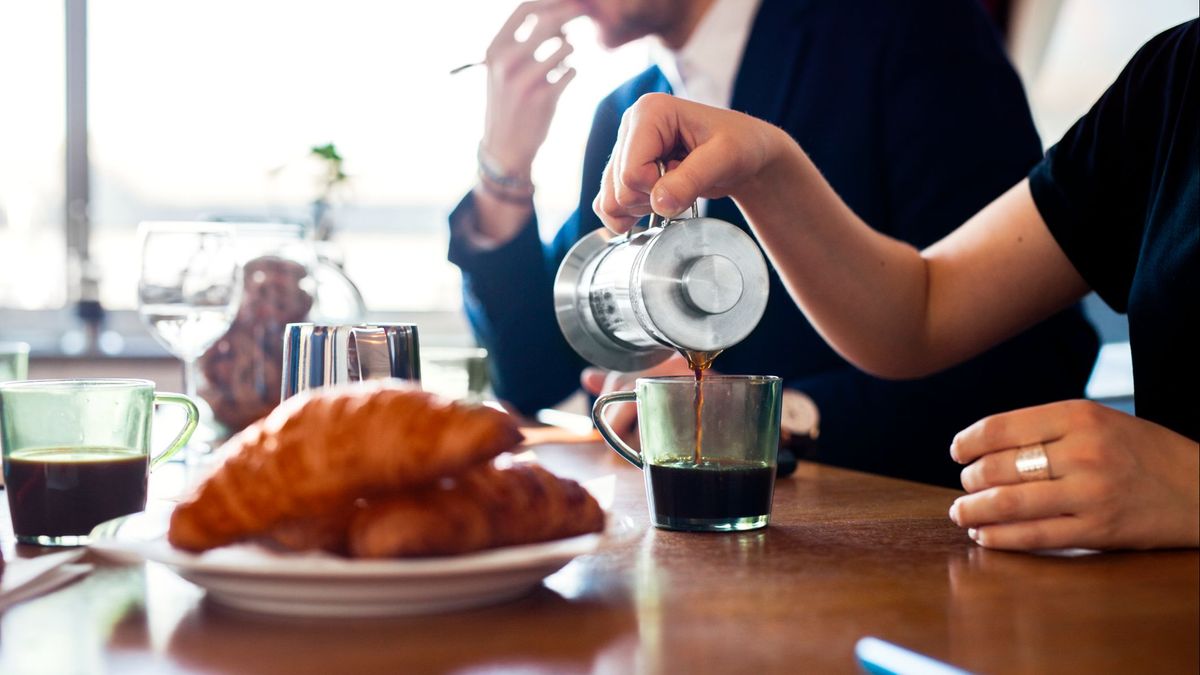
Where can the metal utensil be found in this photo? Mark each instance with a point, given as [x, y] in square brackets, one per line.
[317, 355]
[683, 284]
[466, 66]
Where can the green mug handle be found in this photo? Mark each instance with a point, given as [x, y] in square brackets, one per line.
[614, 441]
[193, 418]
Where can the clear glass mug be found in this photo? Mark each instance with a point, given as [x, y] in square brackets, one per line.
[77, 453]
[708, 448]
[14, 361]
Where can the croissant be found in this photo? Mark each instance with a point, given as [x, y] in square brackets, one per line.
[483, 508]
[324, 532]
[321, 449]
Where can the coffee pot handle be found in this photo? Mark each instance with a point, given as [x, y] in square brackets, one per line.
[610, 436]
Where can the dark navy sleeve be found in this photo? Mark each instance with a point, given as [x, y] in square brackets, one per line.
[957, 132]
[508, 299]
[508, 291]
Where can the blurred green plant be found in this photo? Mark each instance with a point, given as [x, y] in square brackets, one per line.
[332, 182]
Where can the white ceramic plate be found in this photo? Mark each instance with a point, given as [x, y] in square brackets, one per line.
[255, 578]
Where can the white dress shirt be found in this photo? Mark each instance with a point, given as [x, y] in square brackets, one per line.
[705, 69]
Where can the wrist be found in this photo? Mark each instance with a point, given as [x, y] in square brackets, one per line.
[502, 165]
[781, 172]
[496, 221]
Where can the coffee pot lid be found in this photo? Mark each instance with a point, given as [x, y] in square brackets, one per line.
[703, 284]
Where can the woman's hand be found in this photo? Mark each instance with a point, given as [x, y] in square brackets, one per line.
[724, 153]
[1116, 481]
[623, 418]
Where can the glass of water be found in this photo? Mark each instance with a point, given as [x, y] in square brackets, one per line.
[189, 290]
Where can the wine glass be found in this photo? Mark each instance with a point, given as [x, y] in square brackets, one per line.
[189, 291]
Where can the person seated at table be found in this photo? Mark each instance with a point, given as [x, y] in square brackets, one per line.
[911, 111]
[1113, 207]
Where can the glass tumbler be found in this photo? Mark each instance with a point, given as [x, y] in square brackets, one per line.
[77, 453]
[708, 450]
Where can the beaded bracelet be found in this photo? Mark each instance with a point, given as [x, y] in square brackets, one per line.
[505, 194]
[488, 168]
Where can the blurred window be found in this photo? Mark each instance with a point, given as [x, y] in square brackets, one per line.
[32, 132]
[209, 109]
[1069, 51]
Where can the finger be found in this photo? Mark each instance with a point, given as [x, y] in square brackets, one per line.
[549, 25]
[592, 380]
[616, 381]
[618, 416]
[1008, 503]
[542, 73]
[506, 37]
[1033, 535]
[543, 68]
[674, 365]
[618, 151]
[630, 199]
[563, 80]
[704, 168]
[633, 196]
[507, 33]
[1000, 467]
[627, 195]
[613, 215]
[647, 134]
[623, 419]
[1026, 426]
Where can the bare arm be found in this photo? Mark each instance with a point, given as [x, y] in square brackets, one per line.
[888, 308]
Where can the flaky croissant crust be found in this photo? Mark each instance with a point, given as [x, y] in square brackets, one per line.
[482, 508]
[325, 446]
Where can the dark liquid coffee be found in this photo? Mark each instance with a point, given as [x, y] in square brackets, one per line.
[710, 490]
[65, 492]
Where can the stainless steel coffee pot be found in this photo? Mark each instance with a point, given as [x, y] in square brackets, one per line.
[316, 355]
[627, 302]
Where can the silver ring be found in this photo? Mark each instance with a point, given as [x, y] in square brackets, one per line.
[1032, 462]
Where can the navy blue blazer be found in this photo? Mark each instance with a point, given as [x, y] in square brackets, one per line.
[915, 116]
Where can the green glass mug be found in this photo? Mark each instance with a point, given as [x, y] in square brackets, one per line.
[709, 462]
[77, 453]
[14, 361]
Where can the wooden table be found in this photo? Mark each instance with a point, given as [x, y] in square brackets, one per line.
[847, 555]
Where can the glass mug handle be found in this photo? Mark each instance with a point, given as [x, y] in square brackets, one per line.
[185, 434]
[614, 441]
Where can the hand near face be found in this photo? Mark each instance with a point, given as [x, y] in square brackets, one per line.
[521, 98]
[723, 152]
[623, 418]
[1117, 481]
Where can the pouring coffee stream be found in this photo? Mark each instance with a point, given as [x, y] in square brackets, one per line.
[694, 285]
[699, 362]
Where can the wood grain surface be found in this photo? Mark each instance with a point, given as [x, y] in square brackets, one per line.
[847, 555]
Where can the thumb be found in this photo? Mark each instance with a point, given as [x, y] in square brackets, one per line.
[592, 380]
[698, 174]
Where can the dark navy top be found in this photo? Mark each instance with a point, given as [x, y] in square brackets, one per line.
[1120, 193]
